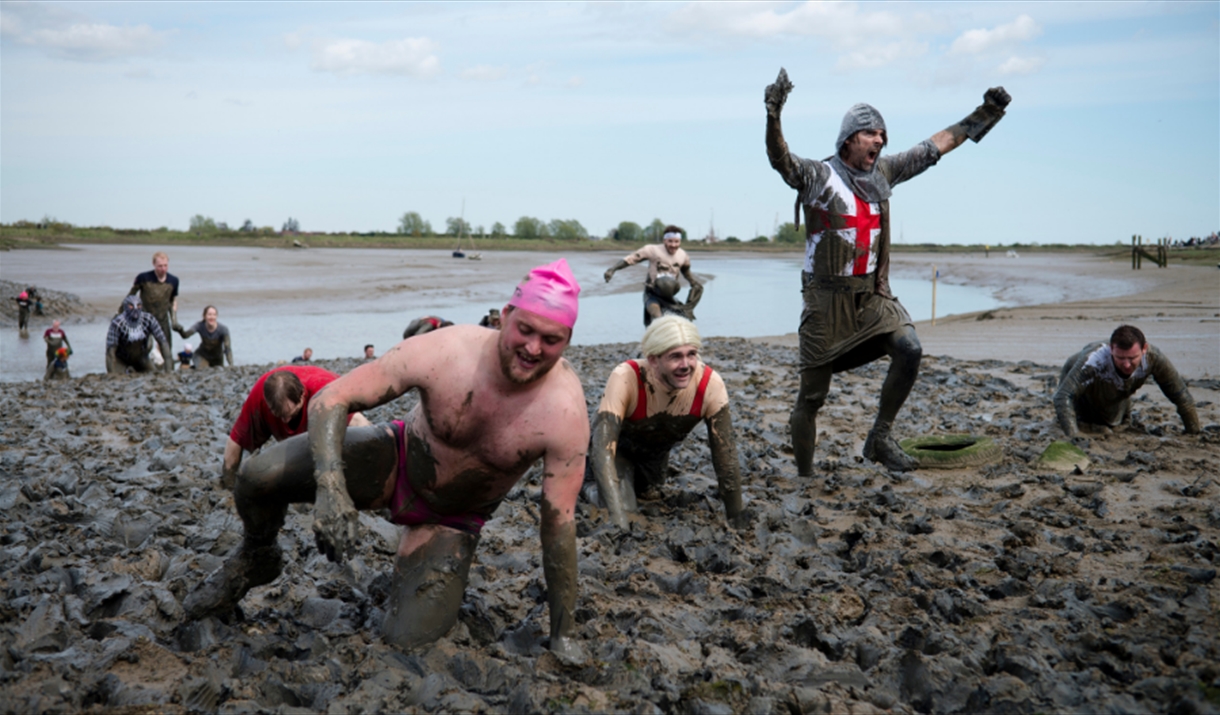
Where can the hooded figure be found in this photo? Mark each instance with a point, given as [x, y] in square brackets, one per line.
[127, 339]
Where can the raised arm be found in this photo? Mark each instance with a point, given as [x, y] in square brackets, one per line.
[335, 522]
[782, 160]
[976, 125]
[563, 472]
[1174, 388]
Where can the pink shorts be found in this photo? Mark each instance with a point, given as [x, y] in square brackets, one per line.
[411, 509]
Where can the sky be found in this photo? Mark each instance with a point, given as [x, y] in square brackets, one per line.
[347, 115]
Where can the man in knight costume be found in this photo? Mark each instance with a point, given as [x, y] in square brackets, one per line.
[850, 317]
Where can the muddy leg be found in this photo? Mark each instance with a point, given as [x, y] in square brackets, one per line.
[815, 385]
[430, 574]
[266, 485]
[905, 353]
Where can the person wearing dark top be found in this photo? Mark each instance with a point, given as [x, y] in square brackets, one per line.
[127, 345]
[215, 346]
[55, 339]
[23, 313]
[427, 324]
[1096, 384]
[158, 291]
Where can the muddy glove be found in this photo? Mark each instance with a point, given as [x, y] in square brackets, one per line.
[617, 266]
[336, 522]
[776, 94]
[987, 114]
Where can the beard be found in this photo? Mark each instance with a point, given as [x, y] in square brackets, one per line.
[506, 367]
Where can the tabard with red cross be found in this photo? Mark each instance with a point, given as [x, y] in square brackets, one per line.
[844, 231]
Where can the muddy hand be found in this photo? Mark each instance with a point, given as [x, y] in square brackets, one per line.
[609, 274]
[997, 96]
[776, 94]
[335, 524]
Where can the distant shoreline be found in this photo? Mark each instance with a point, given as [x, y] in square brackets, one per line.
[12, 238]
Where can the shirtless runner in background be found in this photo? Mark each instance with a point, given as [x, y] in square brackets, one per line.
[491, 404]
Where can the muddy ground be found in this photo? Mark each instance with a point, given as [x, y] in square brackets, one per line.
[1006, 588]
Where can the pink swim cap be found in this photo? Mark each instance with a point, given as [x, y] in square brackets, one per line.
[550, 291]
[24, 295]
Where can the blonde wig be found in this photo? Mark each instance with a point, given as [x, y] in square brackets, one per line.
[667, 333]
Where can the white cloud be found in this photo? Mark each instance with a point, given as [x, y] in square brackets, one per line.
[484, 73]
[1021, 65]
[411, 56]
[973, 42]
[575, 82]
[291, 40]
[843, 24]
[865, 38]
[880, 55]
[98, 41]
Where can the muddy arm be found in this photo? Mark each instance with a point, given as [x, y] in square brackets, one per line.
[112, 361]
[616, 267]
[782, 160]
[228, 346]
[696, 289]
[185, 332]
[723, 443]
[976, 125]
[335, 523]
[1071, 384]
[1174, 388]
[563, 472]
[232, 460]
[606, 428]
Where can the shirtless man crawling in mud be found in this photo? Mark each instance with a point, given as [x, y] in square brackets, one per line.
[491, 404]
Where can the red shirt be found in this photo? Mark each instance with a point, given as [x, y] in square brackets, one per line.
[256, 423]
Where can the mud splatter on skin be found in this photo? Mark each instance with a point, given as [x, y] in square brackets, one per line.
[723, 444]
[113, 514]
[559, 568]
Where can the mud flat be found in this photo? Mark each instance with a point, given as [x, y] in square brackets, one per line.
[1006, 588]
[1063, 301]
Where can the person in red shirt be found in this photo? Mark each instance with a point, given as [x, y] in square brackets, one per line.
[276, 407]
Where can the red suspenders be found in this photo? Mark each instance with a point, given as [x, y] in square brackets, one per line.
[641, 403]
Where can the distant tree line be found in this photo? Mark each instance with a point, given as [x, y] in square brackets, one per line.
[206, 225]
[412, 224]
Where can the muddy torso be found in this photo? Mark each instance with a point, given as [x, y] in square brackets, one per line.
[652, 437]
[469, 448]
[211, 342]
[660, 262]
[157, 296]
[844, 231]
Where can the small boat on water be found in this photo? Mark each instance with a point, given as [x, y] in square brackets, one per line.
[458, 252]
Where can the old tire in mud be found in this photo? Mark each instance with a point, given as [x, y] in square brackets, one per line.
[951, 451]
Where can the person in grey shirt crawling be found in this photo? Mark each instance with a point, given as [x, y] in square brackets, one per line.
[1096, 384]
[850, 316]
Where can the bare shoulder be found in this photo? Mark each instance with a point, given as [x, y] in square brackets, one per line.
[566, 403]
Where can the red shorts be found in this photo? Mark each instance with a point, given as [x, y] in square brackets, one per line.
[411, 509]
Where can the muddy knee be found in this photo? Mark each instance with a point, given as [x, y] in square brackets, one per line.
[428, 586]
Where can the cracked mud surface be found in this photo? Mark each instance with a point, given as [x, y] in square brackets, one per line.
[1005, 588]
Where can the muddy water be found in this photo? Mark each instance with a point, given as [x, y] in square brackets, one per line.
[277, 302]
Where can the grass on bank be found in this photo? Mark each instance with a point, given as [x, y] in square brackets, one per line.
[53, 235]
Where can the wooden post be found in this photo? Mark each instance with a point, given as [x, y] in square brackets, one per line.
[1134, 253]
[935, 275]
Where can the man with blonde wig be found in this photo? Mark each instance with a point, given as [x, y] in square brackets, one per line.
[491, 404]
[651, 405]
